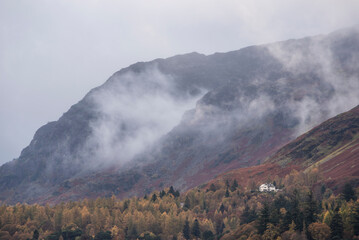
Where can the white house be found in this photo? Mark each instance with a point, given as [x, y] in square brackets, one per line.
[267, 187]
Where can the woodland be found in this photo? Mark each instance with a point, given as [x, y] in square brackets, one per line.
[303, 208]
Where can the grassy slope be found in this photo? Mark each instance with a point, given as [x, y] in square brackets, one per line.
[332, 147]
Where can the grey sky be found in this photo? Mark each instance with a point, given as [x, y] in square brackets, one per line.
[53, 52]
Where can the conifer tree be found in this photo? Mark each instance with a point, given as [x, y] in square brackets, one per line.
[263, 218]
[187, 203]
[234, 185]
[36, 235]
[171, 191]
[186, 230]
[220, 226]
[227, 193]
[208, 235]
[221, 208]
[212, 188]
[310, 209]
[195, 229]
[162, 194]
[336, 226]
[154, 197]
[355, 218]
[348, 192]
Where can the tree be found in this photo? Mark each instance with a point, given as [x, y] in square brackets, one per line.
[271, 232]
[248, 215]
[212, 188]
[319, 231]
[69, 234]
[208, 235]
[227, 193]
[348, 192]
[336, 226]
[187, 203]
[154, 197]
[103, 236]
[186, 230]
[263, 218]
[355, 218]
[310, 209]
[4, 235]
[171, 191]
[195, 229]
[220, 226]
[35, 235]
[176, 194]
[162, 194]
[221, 208]
[234, 185]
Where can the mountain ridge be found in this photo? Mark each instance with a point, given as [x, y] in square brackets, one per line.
[249, 103]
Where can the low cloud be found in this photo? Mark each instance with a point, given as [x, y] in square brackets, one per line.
[134, 111]
[331, 83]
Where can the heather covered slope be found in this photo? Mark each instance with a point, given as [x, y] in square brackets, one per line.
[182, 120]
[333, 147]
[330, 149]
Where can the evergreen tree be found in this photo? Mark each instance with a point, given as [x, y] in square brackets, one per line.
[348, 192]
[221, 208]
[212, 188]
[274, 215]
[220, 226]
[125, 205]
[35, 235]
[208, 235]
[162, 194]
[103, 236]
[186, 230]
[310, 209]
[133, 232]
[154, 197]
[171, 191]
[263, 219]
[355, 219]
[295, 212]
[336, 226]
[195, 229]
[248, 215]
[234, 185]
[187, 203]
[227, 193]
[176, 194]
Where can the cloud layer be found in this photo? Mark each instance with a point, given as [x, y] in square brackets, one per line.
[53, 52]
[134, 111]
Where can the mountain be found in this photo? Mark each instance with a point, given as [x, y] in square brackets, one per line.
[182, 120]
[331, 147]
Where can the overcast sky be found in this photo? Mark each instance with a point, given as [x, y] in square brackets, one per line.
[53, 52]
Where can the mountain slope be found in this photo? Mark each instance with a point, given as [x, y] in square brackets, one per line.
[180, 121]
[332, 147]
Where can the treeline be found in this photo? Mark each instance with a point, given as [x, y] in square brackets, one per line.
[303, 209]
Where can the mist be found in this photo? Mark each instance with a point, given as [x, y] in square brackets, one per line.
[50, 50]
[333, 83]
[134, 111]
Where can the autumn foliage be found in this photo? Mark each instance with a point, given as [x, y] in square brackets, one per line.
[302, 209]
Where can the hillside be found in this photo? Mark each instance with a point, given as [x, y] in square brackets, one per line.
[331, 149]
[182, 120]
[310, 200]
